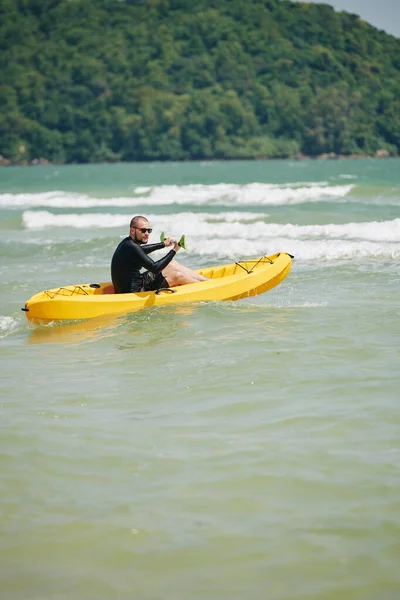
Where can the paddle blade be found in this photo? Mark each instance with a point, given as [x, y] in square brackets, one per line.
[182, 242]
[162, 237]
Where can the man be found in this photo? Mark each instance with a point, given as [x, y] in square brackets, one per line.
[132, 254]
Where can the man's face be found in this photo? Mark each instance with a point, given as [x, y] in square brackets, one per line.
[142, 237]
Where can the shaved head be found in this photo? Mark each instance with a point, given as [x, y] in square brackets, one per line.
[136, 220]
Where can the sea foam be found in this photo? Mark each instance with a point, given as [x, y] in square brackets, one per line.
[7, 325]
[238, 233]
[220, 225]
[223, 194]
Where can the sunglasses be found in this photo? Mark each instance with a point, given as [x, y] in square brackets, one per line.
[144, 229]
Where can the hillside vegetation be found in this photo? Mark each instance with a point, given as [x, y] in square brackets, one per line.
[134, 80]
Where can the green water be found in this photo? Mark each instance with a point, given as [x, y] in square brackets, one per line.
[225, 451]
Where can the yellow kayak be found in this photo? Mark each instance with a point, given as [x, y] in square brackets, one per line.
[225, 282]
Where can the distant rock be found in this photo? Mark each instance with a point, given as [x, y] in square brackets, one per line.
[382, 153]
[40, 161]
[327, 155]
[299, 156]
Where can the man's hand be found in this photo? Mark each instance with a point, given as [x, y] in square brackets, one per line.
[171, 242]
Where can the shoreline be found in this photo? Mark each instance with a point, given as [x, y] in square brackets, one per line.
[5, 162]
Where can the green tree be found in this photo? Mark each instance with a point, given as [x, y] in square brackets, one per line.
[99, 80]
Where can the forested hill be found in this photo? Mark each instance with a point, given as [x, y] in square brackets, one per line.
[130, 80]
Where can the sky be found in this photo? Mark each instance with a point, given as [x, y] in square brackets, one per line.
[383, 14]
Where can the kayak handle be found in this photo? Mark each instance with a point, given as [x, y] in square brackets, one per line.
[168, 290]
[25, 309]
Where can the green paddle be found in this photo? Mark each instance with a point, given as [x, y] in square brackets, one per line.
[182, 241]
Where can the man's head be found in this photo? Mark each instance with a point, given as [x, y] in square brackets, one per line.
[139, 230]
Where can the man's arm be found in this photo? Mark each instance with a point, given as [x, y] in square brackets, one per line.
[147, 248]
[149, 264]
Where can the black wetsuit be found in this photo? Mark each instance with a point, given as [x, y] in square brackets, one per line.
[129, 258]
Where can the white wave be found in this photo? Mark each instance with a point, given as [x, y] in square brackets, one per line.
[220, 225]
[310, 250]
[233, 234]
[58, 199]
[42, 219]
[142, 189]
[332, 250]
[236, 226]
[388, 231]
[240, 195]
[223, 194]
[7, 324]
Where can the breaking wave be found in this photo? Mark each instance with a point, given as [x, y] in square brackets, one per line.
[233, 233]
[222, 194]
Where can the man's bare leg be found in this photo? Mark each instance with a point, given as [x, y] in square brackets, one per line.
[177, 274]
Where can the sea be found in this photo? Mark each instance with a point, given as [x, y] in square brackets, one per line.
[244, 450]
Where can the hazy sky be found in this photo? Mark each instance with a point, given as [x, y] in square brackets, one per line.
[383, 14]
